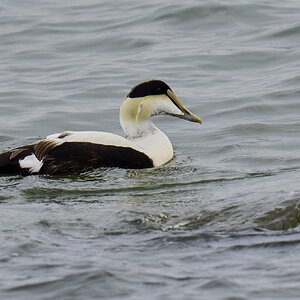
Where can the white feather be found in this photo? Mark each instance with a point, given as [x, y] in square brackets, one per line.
[32, 163]
[56, 135]
[157, 146]
[96, 137]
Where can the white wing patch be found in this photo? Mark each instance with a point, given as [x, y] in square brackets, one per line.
[32, 163]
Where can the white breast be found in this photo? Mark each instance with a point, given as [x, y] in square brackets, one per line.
[157, 146]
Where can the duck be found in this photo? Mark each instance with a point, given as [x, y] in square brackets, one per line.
[143, 146]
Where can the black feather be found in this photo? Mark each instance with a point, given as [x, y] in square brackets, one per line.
[75, 157]
[149, 88]
[9, 161]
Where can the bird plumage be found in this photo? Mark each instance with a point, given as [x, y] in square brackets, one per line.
[143, 146]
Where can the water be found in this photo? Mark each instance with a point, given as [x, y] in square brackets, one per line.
[221, 220]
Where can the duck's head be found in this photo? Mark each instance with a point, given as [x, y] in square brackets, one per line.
[152, 98]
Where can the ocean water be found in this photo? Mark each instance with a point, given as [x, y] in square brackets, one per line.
[221, 220]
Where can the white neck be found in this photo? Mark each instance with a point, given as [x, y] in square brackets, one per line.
[135, 120]
[135, 129]
[153, 141]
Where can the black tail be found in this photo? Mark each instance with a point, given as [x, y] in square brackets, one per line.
[9, 161]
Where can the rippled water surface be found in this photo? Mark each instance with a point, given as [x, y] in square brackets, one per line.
[221, 220]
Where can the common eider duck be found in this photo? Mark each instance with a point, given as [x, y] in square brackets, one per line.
[144, 145]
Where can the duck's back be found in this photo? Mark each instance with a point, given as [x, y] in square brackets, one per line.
[74, 152]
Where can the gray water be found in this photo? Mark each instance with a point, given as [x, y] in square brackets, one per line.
[221, 220]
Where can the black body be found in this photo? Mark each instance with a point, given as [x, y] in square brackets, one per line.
[73, 157]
